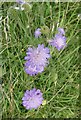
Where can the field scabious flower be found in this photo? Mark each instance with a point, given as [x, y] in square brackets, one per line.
[37, 33]
[20, 2]
[59, 41]
[61, 31]
[36, 59]
[32, 99]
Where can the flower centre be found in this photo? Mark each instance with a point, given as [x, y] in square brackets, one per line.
[38, 56]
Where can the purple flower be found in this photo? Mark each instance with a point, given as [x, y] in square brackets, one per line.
[59, 41]
[20, 1]
[37, 33]
[36, 59]
[32, 99]
[61, 31]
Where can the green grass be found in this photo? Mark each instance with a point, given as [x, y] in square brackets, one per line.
[60, 80]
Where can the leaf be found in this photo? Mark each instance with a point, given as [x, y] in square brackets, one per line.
[45, 30]
[2, 72]
[27, 7]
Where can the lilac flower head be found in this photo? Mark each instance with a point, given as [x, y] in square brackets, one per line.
[20, 1]
[59, 42]
[37, 33]
[36, 59]
[61, 31]
[32, 99]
